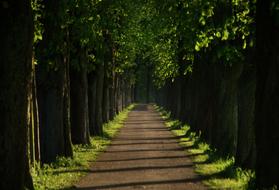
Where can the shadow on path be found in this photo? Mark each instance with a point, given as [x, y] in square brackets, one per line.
[144, 155]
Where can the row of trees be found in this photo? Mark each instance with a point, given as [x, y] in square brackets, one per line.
[69, 66]
[216, 66]
[62, 76]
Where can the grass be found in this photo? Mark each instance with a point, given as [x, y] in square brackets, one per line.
[218, 172]
[64, 172]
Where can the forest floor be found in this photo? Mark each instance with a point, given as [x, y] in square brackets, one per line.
[143, 155]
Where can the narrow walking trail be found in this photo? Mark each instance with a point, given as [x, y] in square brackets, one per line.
[144, 155]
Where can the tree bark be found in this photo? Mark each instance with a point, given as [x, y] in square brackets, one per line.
[53, 85]
[15, 79]
[246, 147]
[106, 102]
[53, 103]
[119, 98]
[68, 149]
[33, 123]
[92, 101]
[148, 84]
[79, 101]
[267, 93]
[227, 110]
[112, 94]
[116, 98]
[98, 130]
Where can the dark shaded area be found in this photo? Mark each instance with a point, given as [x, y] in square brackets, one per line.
[15, 88]
[267, 94]
[141, 107]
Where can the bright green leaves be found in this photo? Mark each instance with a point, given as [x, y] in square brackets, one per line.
[38, 26]
[207, 11]
[218, 34]
[225, 35]
[219, 25]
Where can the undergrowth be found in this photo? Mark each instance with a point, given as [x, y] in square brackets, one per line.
[64, 172]
[218, 172]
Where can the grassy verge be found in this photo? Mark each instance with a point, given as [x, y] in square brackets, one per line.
[218, 172]
[64, 172]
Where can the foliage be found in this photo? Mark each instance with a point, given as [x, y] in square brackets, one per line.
[64, 172]
[165, 34]
[37, 8]
[171, 34]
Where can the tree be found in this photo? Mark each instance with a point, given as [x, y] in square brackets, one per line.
[267, 93]
[15, 73]
[53, 83]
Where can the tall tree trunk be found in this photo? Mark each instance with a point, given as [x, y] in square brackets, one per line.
[106, 99]
[267, 94]
[227, 110]
[53, 85]
[36, 121]
[112, 94]
[133, 93]
[68, 149]
[177, 99]
[123, 94]
[34, 140]
[79, 101]
[148, 84]
[53, 103]
[117, 94]
[108, 65]
[15, 85]
[98, 130]
[92, 101]
[246, 149]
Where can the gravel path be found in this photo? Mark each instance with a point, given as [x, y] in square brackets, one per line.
[144, 155]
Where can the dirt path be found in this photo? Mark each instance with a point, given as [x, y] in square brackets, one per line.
[144, 155]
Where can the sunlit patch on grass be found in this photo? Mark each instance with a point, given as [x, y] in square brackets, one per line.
[64, 172]
[214, 167]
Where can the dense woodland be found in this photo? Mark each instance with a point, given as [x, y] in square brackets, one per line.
[68, 66]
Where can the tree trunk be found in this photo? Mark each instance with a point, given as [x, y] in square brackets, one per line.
[98, 130]
[119, 94]
[106, 101]
[36, 121]
[79, 101]
[148, 85]
[34, 140]
[53, 85]
[92, 101]
[53, 103]
[68, 149]
[267, 93]
[112, 94]
[246, 149]
[227, 110]
[15, 85]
